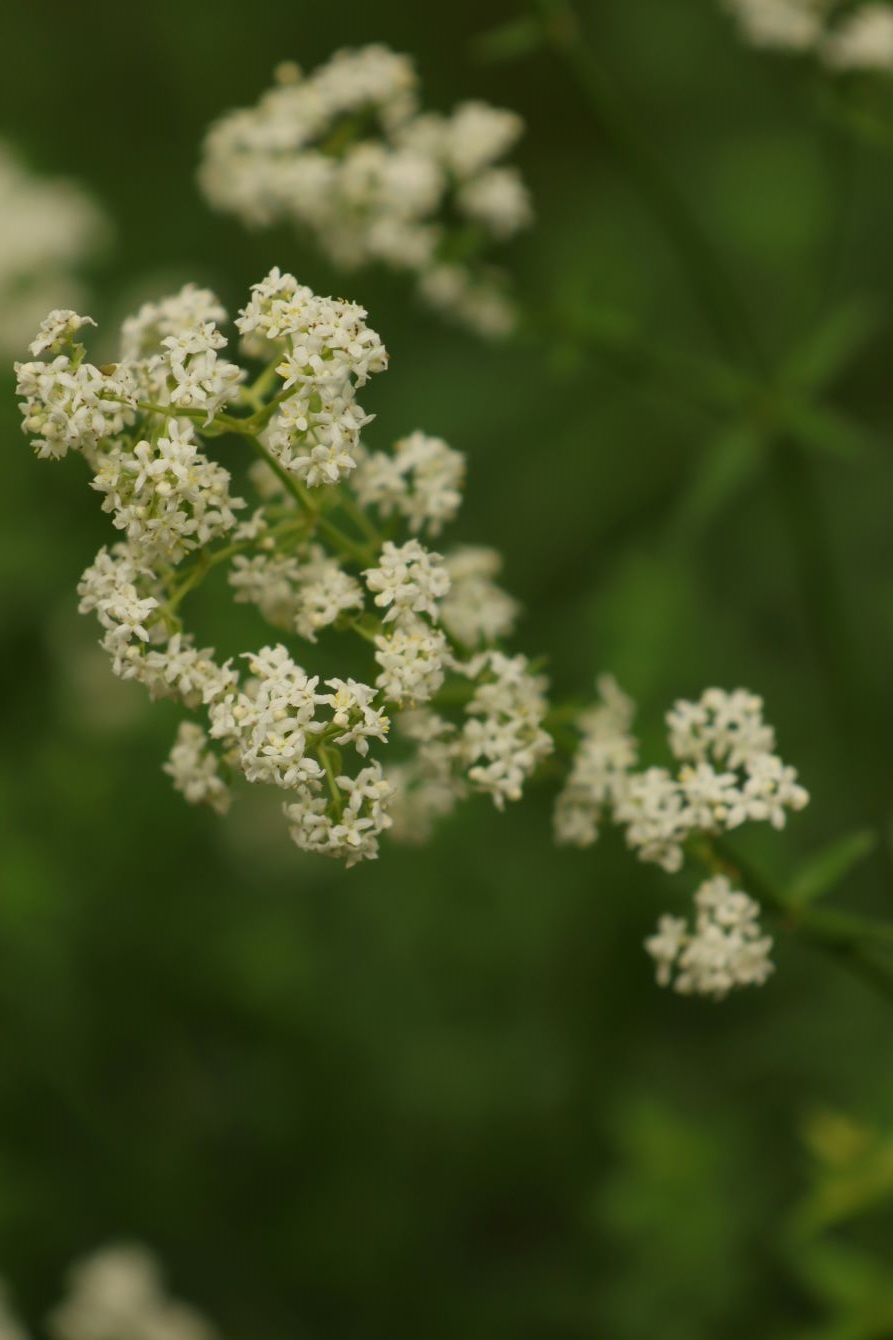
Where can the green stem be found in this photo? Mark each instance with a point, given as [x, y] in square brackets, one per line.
[348, 548]
[288, 481]
[325, 759]
[359, 553]
[360, 519]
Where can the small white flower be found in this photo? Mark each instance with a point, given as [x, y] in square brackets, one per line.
[354, 715]
[58, 331]
[502, 740]
[413, 658]
[194, 768]
[409, 580]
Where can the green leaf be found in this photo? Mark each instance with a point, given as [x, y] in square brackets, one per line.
[821, 429]
[727, 466]
[834, 344]
[825, 871]
[511, 41]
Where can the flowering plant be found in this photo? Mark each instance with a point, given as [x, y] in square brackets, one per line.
[333, 537]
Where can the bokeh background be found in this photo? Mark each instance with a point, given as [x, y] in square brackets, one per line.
[441, 1096]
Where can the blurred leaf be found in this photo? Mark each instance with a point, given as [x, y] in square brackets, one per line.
[854, 1175]
[825, 871]
[618, 337]
[833, 345]
[663, 1205]
[825, 430]
[856, 116]
[836, 1139]
[857, 1287]
[728, 465]
[509, 42]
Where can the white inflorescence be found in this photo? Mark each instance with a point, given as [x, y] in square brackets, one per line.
[307, 554]
[48, 228]
[346, 154]
[725, 949]
[118, 1292]
[858, 39]
[727, 773]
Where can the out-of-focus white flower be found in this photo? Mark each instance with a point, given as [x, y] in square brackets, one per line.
[725, 950]
[48, 229]
[793, 25]
[346, 154]
[119, 1292]
[10, 1326]
[421, 480]
[195, 769]
[476, 609]
[863, 40]
[858, 39]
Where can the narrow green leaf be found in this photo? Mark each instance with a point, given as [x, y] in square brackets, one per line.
[825, 430]
[829, 349]
[511, 41]
[824, 872]
[726, 467]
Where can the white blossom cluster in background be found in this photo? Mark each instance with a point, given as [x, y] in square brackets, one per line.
[117, 1293]
[48, 228]
[727, 773]
[841, 37]
[347, 154]
[319, 549]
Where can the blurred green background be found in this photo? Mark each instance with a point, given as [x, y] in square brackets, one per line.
[441, 1096]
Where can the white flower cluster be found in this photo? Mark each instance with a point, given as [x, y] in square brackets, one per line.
[728, 774]
[323, 350]
[117, 1292]
[346, 154]
[725, 950]
[604, 759]
[476, 609]
[856, 39]
[500, 744]
[420, 480]
[309, 557]
[304, 594]
[48, 228]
